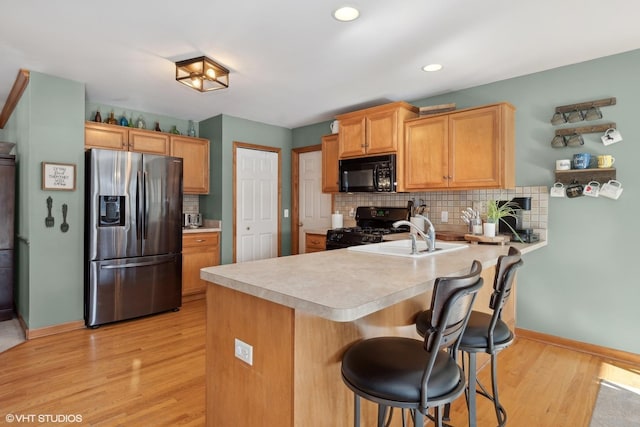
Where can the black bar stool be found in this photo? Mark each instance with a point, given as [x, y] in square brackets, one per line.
[415, 374]
[486, 333]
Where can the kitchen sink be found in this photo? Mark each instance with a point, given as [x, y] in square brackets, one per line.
[402, 248]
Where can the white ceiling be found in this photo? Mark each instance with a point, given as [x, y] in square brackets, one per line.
[291, 63]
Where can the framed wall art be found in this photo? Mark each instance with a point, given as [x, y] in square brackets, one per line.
[58, 176]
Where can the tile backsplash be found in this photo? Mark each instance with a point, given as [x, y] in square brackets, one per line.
[453, 202]
[190, 203]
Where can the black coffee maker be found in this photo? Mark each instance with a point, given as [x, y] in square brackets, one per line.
[515, 222]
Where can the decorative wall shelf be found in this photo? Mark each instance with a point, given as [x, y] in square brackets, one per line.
[583, 176]
[585, 129]
[586, 105]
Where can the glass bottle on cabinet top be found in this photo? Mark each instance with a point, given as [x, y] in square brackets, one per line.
[192, 128]
[131, 121]
[140, 124]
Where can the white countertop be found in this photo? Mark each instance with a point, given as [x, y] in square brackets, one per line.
[343, 285]
[200, 230]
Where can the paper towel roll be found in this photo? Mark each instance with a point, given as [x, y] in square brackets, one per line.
[336, 220]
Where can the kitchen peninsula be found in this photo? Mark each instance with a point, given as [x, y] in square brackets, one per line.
[299, 313]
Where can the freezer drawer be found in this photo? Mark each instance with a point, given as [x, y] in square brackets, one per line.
[132, 287]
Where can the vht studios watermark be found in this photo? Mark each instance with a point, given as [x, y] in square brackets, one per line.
[43, 418]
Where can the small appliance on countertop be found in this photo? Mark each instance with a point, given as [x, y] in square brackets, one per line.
[525, 234]
[191, 220]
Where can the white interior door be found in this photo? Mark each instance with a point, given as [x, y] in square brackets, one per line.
[257, 204]
[315, 206]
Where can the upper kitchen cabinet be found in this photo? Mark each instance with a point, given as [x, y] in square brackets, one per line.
[149, 141]
[195, 155]
[193, 151]
[468, 149]
[114, 137]
[101, 135]
[376, 130]
[330, 178]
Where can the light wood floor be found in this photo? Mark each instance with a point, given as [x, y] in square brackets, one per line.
[151, 372]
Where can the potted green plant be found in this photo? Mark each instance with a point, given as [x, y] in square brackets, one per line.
[496, 211]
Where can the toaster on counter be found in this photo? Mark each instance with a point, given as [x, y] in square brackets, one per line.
[191, 220]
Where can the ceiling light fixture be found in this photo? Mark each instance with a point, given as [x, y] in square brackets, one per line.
[346, 14]
[202, 74]
[432, 67]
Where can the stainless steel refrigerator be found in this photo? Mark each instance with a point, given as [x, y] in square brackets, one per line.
[133, 235]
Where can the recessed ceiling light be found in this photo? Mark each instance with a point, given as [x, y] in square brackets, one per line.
[432, 67]
[346, 14]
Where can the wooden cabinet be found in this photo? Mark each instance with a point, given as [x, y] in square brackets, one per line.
[149, 141]
[314, 242]
[467, 149]
[376, 130]
[330, 178]
[195, 155]
[199, 250]
[7, 235]
[101, 135]
[114, 137]
[193, 151]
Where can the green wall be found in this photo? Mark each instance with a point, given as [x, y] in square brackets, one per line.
[222, 131]
[48, 126]
[581, 286]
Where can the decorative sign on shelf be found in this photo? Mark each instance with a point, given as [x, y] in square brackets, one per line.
[58, 176]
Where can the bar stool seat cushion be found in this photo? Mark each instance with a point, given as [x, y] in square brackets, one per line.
[392, 368]
[476, 333]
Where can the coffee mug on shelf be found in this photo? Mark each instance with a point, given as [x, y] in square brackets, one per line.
[575, 140]
[611, 189]
[611, 136]
[575, 190]
[606, 160]
[558, 141]
[557, 190]
[563, 164]
[581, 160]
[591, 189]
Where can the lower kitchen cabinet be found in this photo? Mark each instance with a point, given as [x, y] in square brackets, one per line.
[199, 250]
[314, 242]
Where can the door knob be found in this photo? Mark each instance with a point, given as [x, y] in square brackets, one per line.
[300, 224]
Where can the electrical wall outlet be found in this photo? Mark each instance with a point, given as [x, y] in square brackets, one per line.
[244, 351]
[444, 216]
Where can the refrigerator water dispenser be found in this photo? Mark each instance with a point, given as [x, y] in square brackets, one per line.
[112, 211]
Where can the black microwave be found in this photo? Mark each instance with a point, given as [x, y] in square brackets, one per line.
[368, 174]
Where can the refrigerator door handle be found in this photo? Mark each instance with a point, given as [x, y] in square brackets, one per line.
[139, 206]
[135, 264]
[145, 229]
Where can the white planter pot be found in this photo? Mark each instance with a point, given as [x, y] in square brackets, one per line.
[489, 229]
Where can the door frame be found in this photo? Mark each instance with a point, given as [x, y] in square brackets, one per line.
[295, 194]
[278, 151]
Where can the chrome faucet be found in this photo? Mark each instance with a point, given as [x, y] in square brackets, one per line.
[429, 237]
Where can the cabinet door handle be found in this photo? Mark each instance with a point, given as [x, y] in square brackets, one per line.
[200, 240]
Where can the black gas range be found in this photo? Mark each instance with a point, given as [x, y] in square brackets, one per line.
[372, 224]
